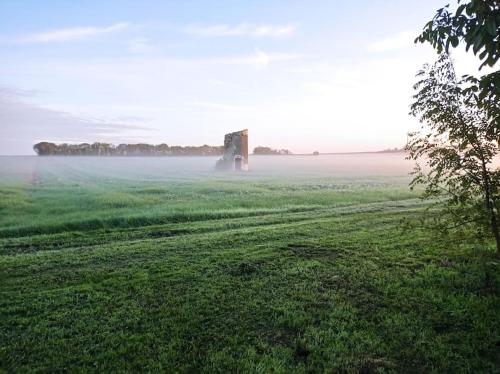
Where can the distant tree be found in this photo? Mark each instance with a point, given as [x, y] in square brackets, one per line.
[263, 151]
[163, 149]
[455, 148]
[45, 149]
[392, 150]
[476, 23]
[270, 151]
[83, 149]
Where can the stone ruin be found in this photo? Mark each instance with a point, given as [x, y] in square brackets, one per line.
[235, 152]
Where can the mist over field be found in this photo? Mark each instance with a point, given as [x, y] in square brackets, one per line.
[31, 168]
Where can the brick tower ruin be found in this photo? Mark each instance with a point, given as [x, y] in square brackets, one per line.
[235, 152]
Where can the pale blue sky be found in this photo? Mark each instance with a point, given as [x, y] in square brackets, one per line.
[303, 75]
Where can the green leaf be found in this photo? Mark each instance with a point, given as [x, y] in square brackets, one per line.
[491, 26]
[477, 43]
[460, 9]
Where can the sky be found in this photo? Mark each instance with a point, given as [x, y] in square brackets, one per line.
[316, 75]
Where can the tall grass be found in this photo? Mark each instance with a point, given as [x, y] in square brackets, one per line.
[102, 272]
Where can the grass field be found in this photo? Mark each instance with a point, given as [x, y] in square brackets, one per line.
[119, 268]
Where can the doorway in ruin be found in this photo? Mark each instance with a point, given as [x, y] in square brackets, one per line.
[235, 156]
[238, 162]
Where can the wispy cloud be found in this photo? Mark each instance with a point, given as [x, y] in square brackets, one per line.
[221, 107]
[259, 59]
[242, 29]
[71, 34]
[19, 116]
[401, 40]
[140, 46]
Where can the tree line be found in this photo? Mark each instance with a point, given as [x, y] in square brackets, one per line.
[270, 151]
[106, 149]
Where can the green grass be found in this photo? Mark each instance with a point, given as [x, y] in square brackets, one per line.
[228, 273]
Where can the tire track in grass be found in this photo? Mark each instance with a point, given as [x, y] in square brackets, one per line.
[76, 240]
